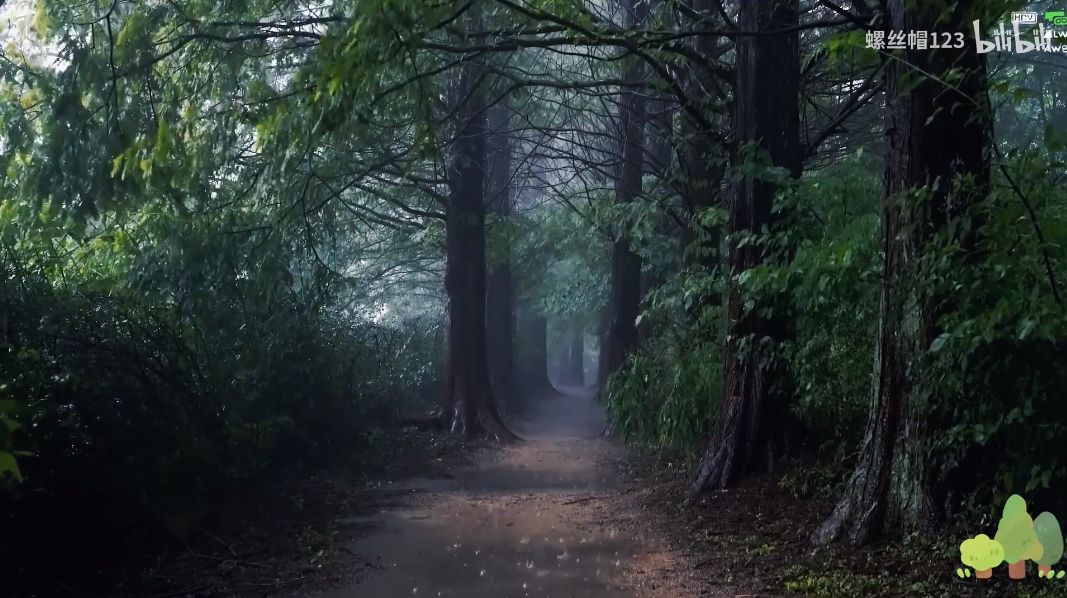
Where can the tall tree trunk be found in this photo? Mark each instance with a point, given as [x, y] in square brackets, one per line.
[702, 164]
[750, 432]
[500, 297]
[701, 156]
[577, 355]
[533, 347]
[659, 164]
[661, 109]
[469, 408]
[572, 359]
[935, 134]
[625, 294]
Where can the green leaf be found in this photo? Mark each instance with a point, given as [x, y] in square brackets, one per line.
[938, 343]
[8, 465]
[116, 164]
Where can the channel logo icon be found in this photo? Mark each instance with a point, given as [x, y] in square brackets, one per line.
[1024, 17]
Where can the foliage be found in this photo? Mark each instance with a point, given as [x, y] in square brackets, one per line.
[171, 329]
[1015, 532]
[668, 393]
[1047, 528]
[981, 553]
[574, 286]
[139, 413]
[9, 426]
[828, 284]
[221, 230]
[997, 368]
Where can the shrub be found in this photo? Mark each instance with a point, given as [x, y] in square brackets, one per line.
[668, 396]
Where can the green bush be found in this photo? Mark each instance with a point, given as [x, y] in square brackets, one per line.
[148, 381]
[825, 276]
[999, 366]
[667, 396]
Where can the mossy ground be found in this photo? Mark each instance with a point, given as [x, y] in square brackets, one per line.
[754, 539]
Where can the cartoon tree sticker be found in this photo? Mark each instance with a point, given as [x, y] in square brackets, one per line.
[1016, 535]
[981, 554]
[1048, 533]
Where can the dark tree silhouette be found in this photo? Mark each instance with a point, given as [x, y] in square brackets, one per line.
[500, 294]
[750, 430]
[936, 133]
[469, 407]
[624, 302]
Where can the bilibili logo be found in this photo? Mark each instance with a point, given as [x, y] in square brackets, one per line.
[1020, 538]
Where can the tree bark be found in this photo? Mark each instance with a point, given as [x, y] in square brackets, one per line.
[469, 408]
[500, 296]
[935, 135]
[625, 295]
[749, 434]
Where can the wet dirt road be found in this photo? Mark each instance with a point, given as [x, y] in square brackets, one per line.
[539, 519]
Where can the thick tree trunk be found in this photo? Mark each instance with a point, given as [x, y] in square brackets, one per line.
[625, 294]
[750, 432]
[625, 305]
[468, 408]
[500, 297]
[935, 134]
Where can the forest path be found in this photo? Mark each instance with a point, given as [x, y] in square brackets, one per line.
[546, 517]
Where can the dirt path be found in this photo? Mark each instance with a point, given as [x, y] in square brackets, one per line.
[544, 518]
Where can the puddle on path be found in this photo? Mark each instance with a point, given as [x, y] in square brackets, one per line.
[521, 523]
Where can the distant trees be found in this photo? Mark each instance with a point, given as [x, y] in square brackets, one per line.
[531, 352]
[624, 300]
[572, 359]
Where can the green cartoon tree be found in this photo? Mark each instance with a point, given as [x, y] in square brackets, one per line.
[1048, 533]
[1016, 535]
[981, 554]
